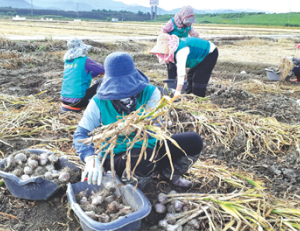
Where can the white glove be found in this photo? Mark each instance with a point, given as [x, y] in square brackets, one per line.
[125, 131]
[93, 174]
[177, 93]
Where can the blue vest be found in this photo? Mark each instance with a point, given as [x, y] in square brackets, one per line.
[199, 49]
[110, 115]
[180, 32]
[75, 81]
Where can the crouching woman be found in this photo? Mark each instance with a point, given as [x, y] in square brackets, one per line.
[78, 73]
[125, 89]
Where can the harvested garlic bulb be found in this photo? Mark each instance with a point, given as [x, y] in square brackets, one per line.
[160, 208]
[162, 197]
[53, 158]
[28, 170]
[64, 177]
[20, 158]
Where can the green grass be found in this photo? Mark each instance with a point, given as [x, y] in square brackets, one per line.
[283, 19]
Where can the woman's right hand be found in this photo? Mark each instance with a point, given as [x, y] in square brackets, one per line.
[178, 89]
[92, 170]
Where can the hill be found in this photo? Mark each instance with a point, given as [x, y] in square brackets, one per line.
[83, 5]
[15, 3]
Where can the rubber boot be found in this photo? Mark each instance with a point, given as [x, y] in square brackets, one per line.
[181, 166]
[288, 77]
[141, 181]
[65, 107]
[297, 79]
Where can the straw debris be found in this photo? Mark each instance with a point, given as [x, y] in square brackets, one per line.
[246, 210]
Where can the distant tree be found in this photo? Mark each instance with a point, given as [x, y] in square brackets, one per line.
[140, 12]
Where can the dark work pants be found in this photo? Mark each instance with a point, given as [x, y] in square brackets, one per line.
[198, 77]
[190, 142]
[296, 71]
[90, 92]
[172, 70]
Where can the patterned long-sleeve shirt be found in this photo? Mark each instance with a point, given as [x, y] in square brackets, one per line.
[169, 26]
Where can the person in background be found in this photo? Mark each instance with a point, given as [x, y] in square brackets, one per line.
[125, 89]
[295, 70]
[181, 26]
[78, 73]
[197, 54]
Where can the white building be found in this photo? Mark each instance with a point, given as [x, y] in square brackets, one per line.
[114, 19]
[17, 18]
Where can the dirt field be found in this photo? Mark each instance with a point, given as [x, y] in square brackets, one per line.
[30, 83]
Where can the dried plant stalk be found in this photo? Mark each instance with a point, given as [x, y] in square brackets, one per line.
[251, 209]
[144, 121]
[285, 66]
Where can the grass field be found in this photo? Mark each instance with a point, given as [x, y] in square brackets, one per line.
[283, 19]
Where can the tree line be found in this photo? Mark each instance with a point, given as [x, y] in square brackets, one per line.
[94, 14]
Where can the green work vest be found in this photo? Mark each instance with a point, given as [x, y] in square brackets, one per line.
[199, 49]
[110, 115]
[181, 32]
[75, 81]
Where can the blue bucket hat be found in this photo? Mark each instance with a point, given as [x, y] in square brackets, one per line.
[122, 79]
[76, 49]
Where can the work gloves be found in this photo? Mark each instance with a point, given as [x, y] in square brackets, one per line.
[92, 170]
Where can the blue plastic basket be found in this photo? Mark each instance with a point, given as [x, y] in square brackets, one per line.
[35, 188]
[272, 75]
[172, 83]
[135, 198]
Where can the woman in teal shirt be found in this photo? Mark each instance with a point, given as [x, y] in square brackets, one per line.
[197, 54]
[181, 26]
[78, 73]
[125, 89]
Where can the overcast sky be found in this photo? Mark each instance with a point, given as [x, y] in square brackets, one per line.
[264, 5]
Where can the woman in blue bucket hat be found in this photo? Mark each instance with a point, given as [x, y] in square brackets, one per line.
[78, 73]
[125, 89]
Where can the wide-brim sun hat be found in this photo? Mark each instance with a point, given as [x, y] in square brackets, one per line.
[76, 49]
[190, 20]
[122, 79]
[161, 46]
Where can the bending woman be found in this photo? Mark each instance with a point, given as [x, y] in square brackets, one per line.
[78, 73]
[197, 54]
[125, 89]
[181, 26]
